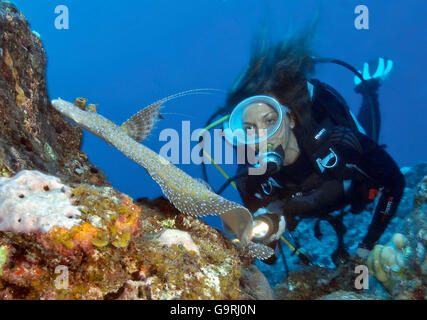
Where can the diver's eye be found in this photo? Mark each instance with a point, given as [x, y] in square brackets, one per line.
[250, 127]
[271, 121]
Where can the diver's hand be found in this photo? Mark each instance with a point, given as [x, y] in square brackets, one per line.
[383, 68]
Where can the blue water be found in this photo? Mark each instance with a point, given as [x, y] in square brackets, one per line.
[123, 55]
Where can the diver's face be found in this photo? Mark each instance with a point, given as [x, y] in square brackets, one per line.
[259, 117]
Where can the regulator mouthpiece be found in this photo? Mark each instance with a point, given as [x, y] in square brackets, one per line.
[272, 159]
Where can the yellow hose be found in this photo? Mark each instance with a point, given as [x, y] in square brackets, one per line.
[205, 153]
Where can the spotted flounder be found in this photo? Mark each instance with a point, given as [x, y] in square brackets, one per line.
[187, 194]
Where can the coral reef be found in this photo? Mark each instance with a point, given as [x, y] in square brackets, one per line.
[3, 256]
[315, 282]
[120, 250]
[388, 263]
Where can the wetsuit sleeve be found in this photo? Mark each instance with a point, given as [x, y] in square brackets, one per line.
[328, 197]
[376, 163]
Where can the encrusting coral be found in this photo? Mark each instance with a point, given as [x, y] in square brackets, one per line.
[3, 256]
[389, 263]
[171, 237]
[119, 250]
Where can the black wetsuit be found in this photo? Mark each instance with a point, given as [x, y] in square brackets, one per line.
[304, 191]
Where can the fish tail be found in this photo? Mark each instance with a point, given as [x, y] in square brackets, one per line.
[259, 250]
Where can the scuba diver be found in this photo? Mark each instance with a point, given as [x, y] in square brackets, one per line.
[319, 158]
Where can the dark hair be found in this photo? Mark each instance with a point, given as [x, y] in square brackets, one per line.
[277, 69]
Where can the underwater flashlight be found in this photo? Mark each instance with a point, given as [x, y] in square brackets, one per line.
[268, 227]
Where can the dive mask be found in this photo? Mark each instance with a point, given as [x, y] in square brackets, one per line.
[236, 128]
[254, 121]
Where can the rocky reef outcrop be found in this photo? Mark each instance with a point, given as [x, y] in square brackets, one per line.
[65, 233]
[32, 134]
[111, 248]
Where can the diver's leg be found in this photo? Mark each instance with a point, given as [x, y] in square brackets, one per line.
[385, 170]
[340, 254]
[384, 212]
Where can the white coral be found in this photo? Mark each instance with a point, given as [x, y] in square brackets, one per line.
[170, 237]
[35, 202]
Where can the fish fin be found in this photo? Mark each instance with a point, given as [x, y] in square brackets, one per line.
[239, 220]
[259, 250]
[139, 126]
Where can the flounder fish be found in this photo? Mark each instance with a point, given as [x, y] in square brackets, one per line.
[188, 195]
